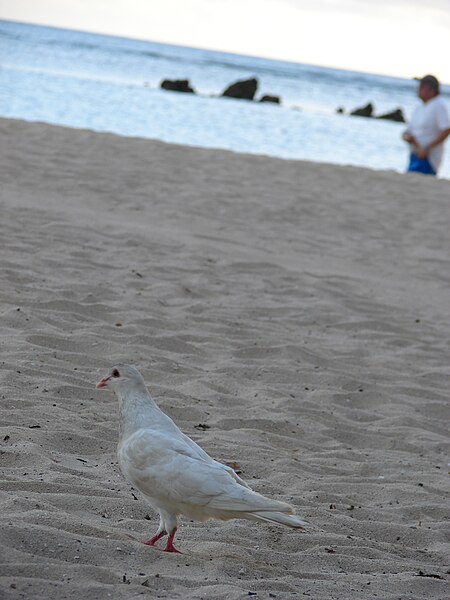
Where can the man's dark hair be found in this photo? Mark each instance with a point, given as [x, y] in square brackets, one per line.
[431, 81]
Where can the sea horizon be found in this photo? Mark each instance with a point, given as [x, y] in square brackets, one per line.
[225, 52]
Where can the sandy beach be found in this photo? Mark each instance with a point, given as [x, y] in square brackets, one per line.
[291, 317]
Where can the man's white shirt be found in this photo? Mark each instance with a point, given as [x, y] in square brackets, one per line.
[427, 122]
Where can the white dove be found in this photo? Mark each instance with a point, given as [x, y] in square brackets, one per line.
[174, 474]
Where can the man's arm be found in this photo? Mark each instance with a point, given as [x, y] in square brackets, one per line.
[422, 153]
[408, 137]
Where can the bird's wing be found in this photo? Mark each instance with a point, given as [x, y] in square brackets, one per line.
[168, 468]
[198, 452]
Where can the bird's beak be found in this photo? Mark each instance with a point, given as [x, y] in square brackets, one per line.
[102, 383]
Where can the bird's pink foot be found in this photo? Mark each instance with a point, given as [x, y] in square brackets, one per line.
[152, 541]
[169, 546]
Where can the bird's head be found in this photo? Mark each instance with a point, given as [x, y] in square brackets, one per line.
[121, 377]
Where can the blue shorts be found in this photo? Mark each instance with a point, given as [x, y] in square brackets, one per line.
[418, 165]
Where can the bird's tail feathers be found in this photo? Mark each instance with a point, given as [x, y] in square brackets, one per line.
[279, 518]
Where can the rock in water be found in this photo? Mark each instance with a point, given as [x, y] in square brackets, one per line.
[396, 115]
[364, 111]
[245, 89]
[268, 98]
[177, 85]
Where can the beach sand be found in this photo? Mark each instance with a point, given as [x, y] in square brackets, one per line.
[291, 317]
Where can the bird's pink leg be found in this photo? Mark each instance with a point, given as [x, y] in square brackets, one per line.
[152, 541]
[169, 546]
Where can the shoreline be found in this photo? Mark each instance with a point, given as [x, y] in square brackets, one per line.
[219, 149]
[290, 316]
[212, 149]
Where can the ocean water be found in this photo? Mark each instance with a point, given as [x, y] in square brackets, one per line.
[107, 83]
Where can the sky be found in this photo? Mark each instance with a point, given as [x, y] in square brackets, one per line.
[405, 38]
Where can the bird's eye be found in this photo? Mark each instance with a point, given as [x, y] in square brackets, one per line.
[115, 373]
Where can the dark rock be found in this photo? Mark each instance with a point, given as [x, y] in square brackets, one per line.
[202, 426]
[244, 89]
[395, 115]
[340, 110]
[273, 99]
[177, 85]
[364, 111]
